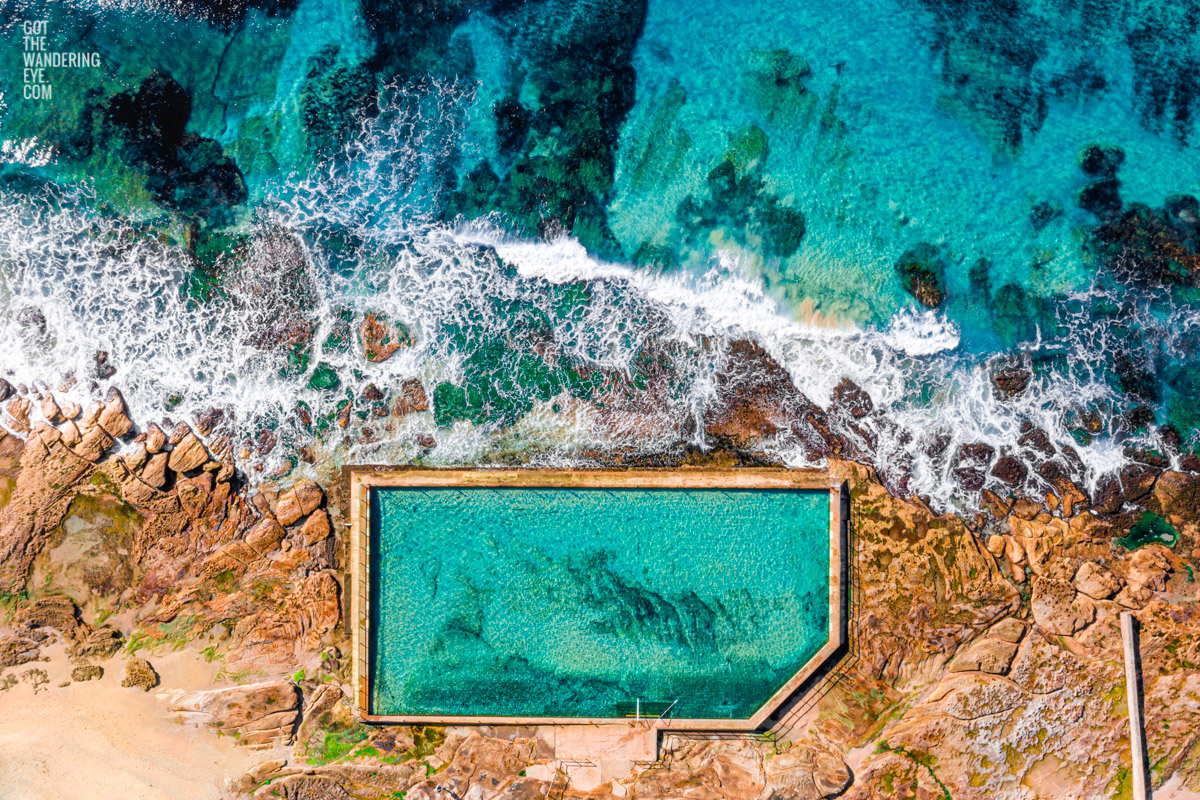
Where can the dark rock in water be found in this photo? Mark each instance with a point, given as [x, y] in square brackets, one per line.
[780, 227]
[1043, 213]
[1059, 478]
[1010, 470]
[1011, 380]
[1182, 213]
[1142, 245]
[561, 159]
[147, 129]
[473, 197]
[936, 446]
[1035, 438]
[971, 463]
[513, 122]
[1101, 160]
[740, 201]
[1132, 485]
[410, 398]
[756, 399]
[103, 369]
[1011, 312]
[848, 397]
[332, 99]
[1171, 437]
[1102, 197]
[921, 270]
[775, 84]
[381, 337]
[755, 394]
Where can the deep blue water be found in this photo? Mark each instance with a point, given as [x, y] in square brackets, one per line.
[555, 198]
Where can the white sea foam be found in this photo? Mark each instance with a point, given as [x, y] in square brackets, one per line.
[75, 280]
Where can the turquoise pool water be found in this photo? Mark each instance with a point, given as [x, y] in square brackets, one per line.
[582, 602]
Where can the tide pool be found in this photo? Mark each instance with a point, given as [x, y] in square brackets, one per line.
[593, 602]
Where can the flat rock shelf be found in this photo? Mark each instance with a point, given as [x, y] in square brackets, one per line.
[576, 596]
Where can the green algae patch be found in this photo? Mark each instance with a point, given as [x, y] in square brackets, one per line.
[921, 759]
[1149, 529]
[88, 554]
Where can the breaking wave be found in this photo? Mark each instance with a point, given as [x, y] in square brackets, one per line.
[270, 357]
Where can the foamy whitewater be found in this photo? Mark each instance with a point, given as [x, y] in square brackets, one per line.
[355, 234]
[76, 281]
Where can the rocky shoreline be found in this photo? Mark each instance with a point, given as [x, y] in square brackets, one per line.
[985, 656]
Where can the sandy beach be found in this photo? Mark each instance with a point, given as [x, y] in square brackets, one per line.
[100, 740]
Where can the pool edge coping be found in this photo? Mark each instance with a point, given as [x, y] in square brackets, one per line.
[362, 478]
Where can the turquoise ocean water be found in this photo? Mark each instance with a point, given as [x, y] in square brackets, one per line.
[569, 210]
[585, 603]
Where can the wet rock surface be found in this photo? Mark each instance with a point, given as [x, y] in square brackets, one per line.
[970, 636]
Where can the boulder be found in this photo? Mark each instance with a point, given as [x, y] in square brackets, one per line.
[21, 648]
[1096, 581]
[102, 642]
[287, 510]
[1149, 567]
[188, 454]
[410, 399]
[70, 433]
[87, 672]
[259, 714]
[381, 337]
[155, 471]
[50, 409]
[315, 529]
[139, 675]
[1011, 380]
[302, 499]
[156, 440]
[850, 399]
[265, 536]
[113, 417]
[94, 444]
[1010, 470]
[259, 773]
[1057, 608]
[135, 458]
[57, 612]
[308, 495]
[18, 412]
[91, 417]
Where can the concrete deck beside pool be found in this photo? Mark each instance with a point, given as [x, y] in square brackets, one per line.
[364, 478]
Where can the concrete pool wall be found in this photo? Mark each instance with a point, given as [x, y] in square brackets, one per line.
[363, 479]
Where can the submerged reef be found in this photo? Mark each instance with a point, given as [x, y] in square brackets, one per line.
[299, 234]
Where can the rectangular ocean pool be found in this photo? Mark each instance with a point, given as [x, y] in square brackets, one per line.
[593, 603]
